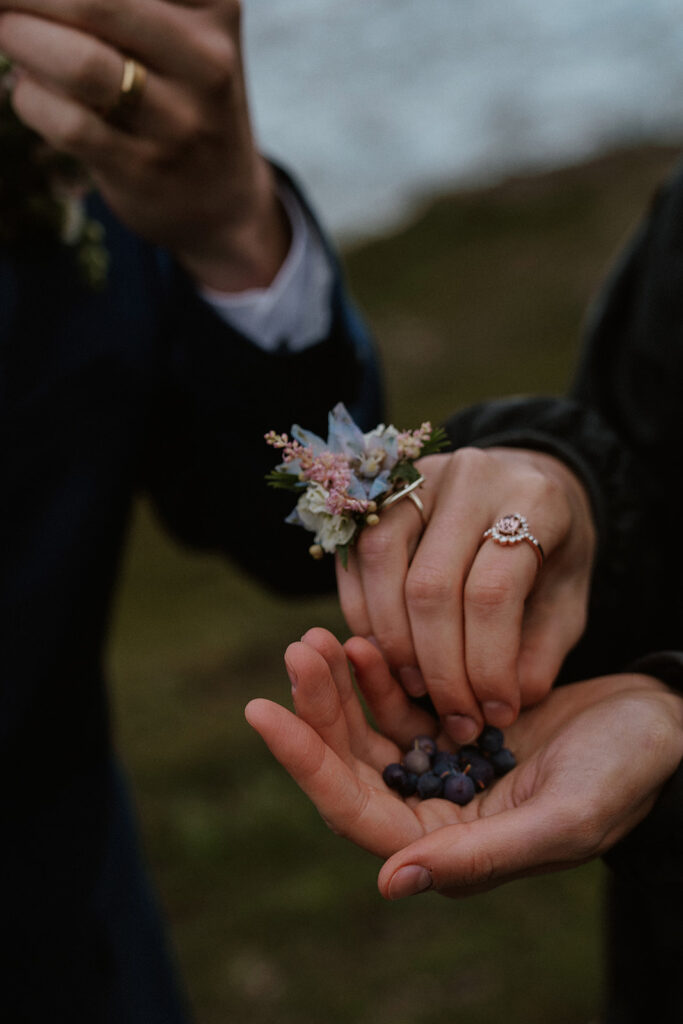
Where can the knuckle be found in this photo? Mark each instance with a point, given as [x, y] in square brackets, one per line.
[166, 155]
[427, 586]
[219, 64]
[490, 678]
[546, 493]
[344, 823]
[471, 462]
[450, 693]
[100, 13]
[71, 134]
[478, 868]
[393, 645]
[490, 590]
[86, 76]
[375, 545]
[188, 128]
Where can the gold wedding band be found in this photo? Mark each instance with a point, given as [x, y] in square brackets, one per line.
[132, 84]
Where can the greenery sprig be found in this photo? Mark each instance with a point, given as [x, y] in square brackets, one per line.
[42, 195]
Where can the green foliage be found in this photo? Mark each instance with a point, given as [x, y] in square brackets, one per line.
[404, 472]
[35, 185]
[283, 480]
[343, 552]
[437, 442]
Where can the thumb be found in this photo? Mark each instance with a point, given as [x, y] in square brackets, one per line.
[471, 857]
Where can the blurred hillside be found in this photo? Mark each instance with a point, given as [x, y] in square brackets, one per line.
[274, 919]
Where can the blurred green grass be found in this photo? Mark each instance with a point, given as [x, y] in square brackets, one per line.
[273, 918]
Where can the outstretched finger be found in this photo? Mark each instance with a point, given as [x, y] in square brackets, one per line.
[361, 737]
[372, 817]
[316, 698]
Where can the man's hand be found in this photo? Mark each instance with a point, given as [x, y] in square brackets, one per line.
[480, 627]
[592, 758]
[179, 167]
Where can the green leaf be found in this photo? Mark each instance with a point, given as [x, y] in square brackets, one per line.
[404, 471]
[284, 481]
[343, 552]
[437, 442]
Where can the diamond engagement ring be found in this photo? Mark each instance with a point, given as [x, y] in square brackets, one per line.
[513, 529]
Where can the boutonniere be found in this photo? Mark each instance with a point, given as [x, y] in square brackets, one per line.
[344, 483]
[43, 195]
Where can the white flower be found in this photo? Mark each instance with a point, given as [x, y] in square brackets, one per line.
[370, 464]
[381, 431]
[330, 530]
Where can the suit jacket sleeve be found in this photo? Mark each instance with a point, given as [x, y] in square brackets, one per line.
[219, 394]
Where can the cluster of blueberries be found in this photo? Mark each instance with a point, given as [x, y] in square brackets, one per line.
[427, 772]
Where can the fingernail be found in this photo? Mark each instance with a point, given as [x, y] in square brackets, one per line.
[496, 712]
[461, 728]
[412, 681]
[293, 678]
[409, 881]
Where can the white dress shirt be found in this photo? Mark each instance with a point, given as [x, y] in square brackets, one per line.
[294, 310]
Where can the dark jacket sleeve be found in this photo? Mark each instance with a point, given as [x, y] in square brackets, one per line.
[219, 395]
[621, 431]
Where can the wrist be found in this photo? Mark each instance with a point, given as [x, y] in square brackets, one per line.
[246, 251]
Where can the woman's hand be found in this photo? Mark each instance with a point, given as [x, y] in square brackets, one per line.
[592, 758]
[179, 166]
[480, 627]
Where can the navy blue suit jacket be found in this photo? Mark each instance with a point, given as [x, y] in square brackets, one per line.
[138, 387]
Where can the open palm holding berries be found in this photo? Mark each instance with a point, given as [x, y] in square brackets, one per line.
[575, 791]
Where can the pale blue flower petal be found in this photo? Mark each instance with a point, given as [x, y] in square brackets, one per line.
[390, 445]
[344, 435]
[357, 488]
[309, 439]
[380, 485]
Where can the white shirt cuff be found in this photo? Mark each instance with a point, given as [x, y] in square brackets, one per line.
[294, 311]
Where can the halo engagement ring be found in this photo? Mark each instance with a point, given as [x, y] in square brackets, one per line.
[513, 529]
[407, 492]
